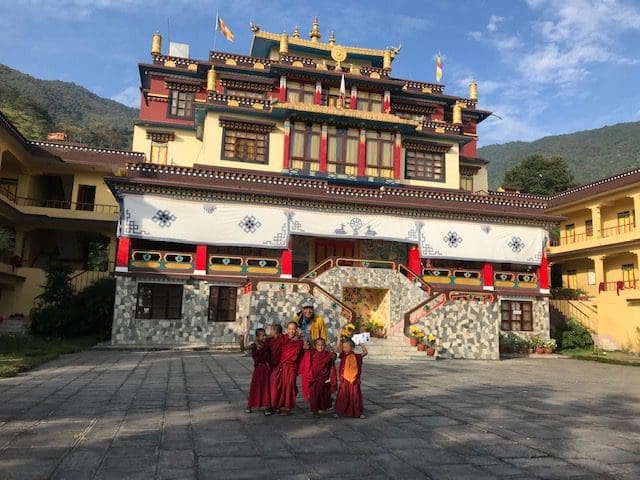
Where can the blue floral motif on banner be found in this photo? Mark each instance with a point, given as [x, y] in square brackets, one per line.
[516, 244]
[164, 218]
[452, 239]
[250, 224]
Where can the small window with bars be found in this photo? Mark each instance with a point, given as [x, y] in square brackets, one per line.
[159, 301]
[424, 165]
[516, 315]
[222, 304]
[181, 104]
[245, 146]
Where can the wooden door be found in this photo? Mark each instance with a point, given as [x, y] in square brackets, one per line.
[335, 248]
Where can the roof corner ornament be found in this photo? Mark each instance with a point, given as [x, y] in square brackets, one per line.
[254, 28]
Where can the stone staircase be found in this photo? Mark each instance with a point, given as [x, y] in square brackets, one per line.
[394, 348]
[14, 325]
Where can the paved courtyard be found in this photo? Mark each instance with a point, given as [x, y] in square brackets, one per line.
[119, 415]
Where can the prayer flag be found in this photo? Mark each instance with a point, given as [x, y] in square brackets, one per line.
[438, 68]
[228, 34]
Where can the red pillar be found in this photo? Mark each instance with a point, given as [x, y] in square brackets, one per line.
[122, 254]
[386, 102]
[285, 155]
[397, 157]
[323, 148]
[201, 260]
[317, 97]
[286, 263]
[353, 103]
[543, 274]
[414, 260]
[282, 93]
[487, 276]
[362, 153]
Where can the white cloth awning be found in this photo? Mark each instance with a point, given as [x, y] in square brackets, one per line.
[263, 226]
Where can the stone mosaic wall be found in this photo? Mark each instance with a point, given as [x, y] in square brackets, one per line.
[467, 329]
[404, 294]
[194, 327]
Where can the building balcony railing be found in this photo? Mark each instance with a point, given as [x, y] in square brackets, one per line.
[59, 204]
[243, 265]
[618, 230]
[608, 233]
[515, 279]
[443, 276]
[618, 285]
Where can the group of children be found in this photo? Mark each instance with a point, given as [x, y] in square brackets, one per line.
[280, 358]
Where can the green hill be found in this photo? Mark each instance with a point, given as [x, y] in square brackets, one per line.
[37, 107]
[591, 154]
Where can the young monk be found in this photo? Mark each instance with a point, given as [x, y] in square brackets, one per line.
[321, 375]
[275, 348]
[349, 397]
[259, 390]
[291, 348]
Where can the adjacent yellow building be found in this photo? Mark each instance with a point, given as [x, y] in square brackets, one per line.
[55, 205]
[598, 251]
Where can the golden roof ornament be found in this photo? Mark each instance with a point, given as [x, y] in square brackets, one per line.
[339, 55]
[296, 32]
[332, 38]
[156, 44]
[314, 34]
[473, 90]
[284, 44]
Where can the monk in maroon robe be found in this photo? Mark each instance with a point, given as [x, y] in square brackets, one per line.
[259, 395]
[321, 376]
[349, 397]
[275, 349]
[291, 348]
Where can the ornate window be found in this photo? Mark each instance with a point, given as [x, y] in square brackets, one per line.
[380, 154]
[222, 304]
[305, 146]
[369, 101]
[244, 141]
[181, 103]
[301, 92]
[516, 315]
[159, 301]
[425, 165]
[342, 150]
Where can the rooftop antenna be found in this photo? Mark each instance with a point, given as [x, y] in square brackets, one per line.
[168, 30]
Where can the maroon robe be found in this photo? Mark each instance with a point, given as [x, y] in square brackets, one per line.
[275, 375]
[288, 368]
[321, 377]
[349, 397]
[259, 394]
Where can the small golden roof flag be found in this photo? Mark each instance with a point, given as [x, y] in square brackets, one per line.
[438, 68]
[228, 34]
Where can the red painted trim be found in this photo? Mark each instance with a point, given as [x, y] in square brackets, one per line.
[362, 156]
[317, 96]
[386, 102]
[414, 260]
[487, 274]
[282, 90]
[323, 150]
[201, 258]
[397, 158]
[353, 103]
[122, 252]
[286, 262]
[543, 272]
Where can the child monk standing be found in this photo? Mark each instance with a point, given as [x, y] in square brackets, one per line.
[259, 390]
[291, 348]
[349, 397]
[321, 376]
[275, 348]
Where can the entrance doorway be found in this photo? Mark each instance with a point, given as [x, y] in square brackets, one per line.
[335, 248]
[370, 304]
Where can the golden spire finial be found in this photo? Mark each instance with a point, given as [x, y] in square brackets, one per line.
[314, 34]
[473, 90]
[332, 38]
[156, 44]
[296, 32]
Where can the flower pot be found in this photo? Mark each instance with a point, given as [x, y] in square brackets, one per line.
[548, 350]
[431, 351]
[539, 350]
[413, 342]
[530, 350]
[422, 347]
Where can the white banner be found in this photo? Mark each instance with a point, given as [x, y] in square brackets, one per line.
[250, 225]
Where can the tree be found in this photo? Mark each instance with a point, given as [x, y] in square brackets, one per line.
[540, 174]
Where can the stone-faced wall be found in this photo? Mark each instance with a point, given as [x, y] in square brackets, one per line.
[404, 294]
[273, 302]
[470, 329]
[193, 328]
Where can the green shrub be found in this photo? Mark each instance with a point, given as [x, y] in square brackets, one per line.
[576, 335]
[562, 293]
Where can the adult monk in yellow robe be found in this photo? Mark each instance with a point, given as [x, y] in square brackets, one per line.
[311, 328]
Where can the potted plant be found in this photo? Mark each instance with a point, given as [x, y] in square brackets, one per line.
[416, 334]
[421, 346]
[347, 331]
[431, 345]
[538, 344]
[549, 346]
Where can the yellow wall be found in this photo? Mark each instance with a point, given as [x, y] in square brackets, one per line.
[618, 319]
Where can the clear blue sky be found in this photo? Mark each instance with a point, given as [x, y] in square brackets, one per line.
[544, 66]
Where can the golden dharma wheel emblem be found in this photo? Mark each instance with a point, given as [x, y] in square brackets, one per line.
[339, 54]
